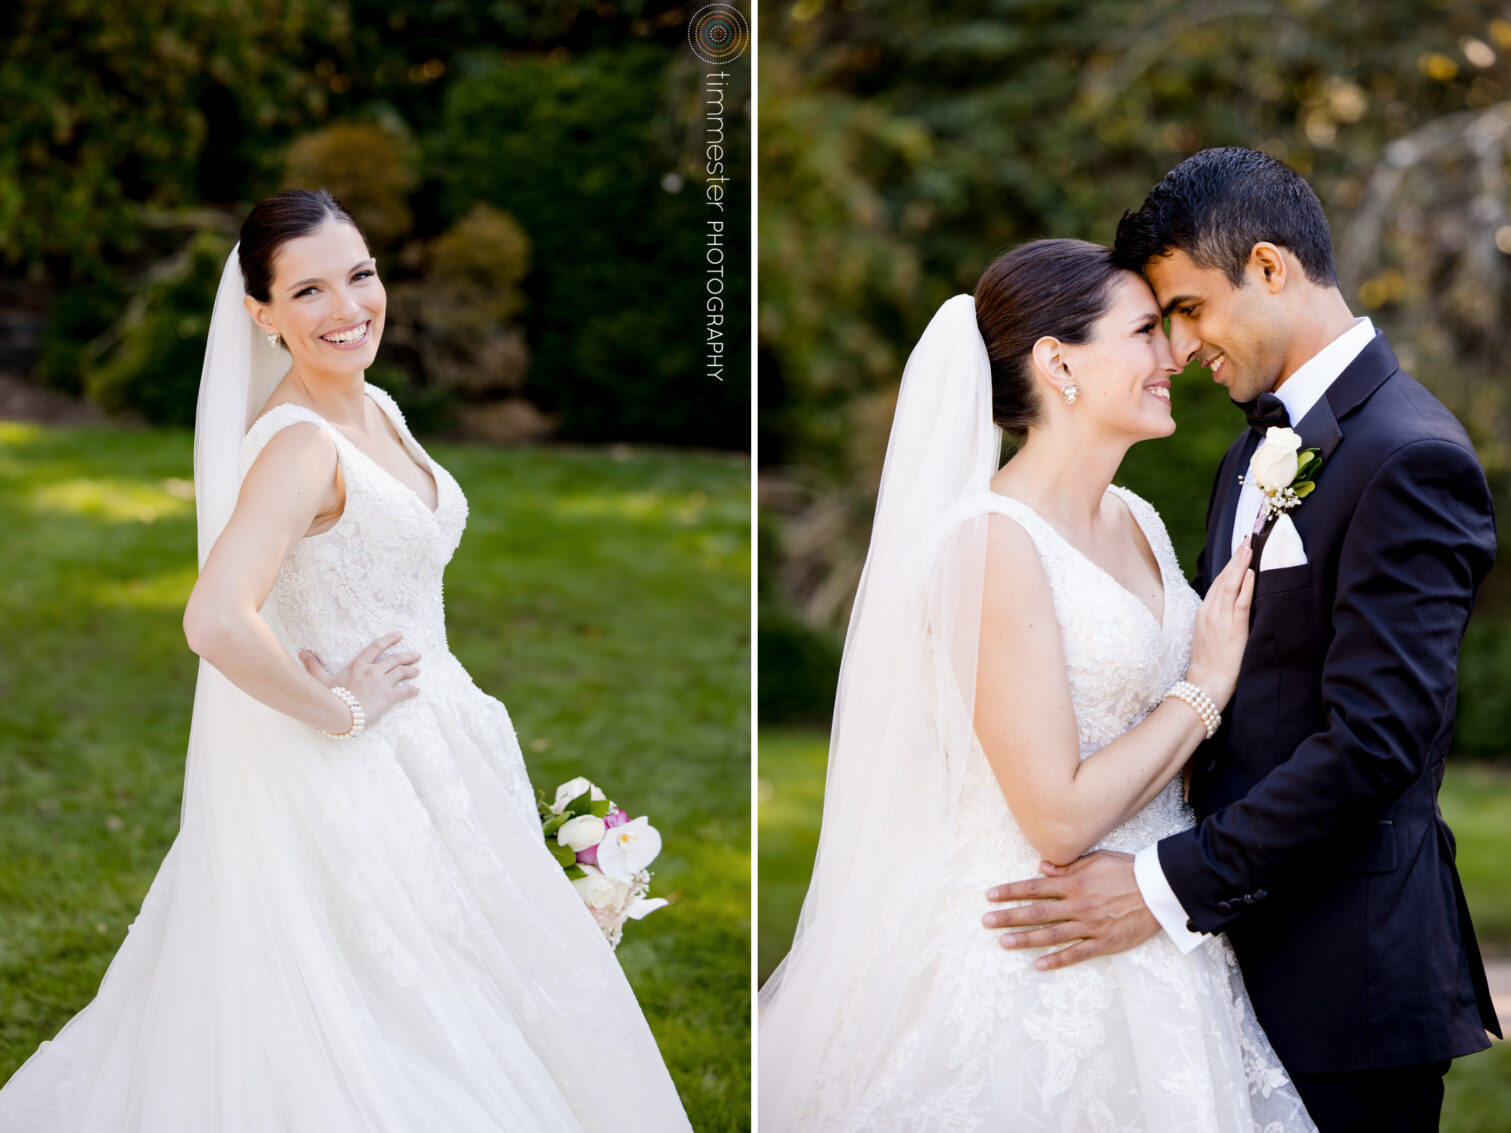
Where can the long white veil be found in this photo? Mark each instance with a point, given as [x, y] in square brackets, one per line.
[901, 732]
[239, 374]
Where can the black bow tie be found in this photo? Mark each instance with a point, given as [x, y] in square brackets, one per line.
[1264, 411]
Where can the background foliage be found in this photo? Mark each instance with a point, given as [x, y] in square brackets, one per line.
[902, 146]
[136, 131]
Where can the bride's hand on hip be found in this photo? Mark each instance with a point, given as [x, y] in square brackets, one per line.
[377, 680]
[1222, 628]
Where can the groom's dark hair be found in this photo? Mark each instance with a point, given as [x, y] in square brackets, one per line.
[1217, 204]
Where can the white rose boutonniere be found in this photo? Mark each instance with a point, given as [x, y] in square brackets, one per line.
[1282, 470]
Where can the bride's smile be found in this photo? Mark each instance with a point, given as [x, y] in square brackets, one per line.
[330, 314]
[1123, 372]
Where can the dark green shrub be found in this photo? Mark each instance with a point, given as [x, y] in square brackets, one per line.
[799, 665]
[1484, 710]
[578, 150]
[154, 369]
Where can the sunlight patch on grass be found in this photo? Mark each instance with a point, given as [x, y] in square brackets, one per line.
[112, 500]
[685, 510]
[166, 590]
[18, 433]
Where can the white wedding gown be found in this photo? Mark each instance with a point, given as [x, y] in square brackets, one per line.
[1147, 1040]
[365, 936]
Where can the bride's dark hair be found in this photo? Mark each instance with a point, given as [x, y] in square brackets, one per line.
[282, 217]
[1048, 287]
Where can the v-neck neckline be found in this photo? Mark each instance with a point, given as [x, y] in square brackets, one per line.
[423, 461]
[428, 466]
[1159, 565]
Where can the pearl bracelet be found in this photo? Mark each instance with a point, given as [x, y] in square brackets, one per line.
[359, 718]
[1201, 702]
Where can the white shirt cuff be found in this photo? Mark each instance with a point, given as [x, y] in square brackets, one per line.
[1162, 901]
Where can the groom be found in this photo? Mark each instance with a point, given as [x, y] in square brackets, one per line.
[1320, 851]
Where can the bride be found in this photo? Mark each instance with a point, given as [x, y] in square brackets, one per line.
[358, 928]
[1025, 674]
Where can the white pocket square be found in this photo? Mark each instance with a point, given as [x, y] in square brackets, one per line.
[1283, 548]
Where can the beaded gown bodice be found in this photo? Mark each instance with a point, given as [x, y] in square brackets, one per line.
[379, 567]
[1119, 661]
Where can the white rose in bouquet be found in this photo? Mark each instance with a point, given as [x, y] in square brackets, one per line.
[581, 832]
[572, 788]
[597, 891]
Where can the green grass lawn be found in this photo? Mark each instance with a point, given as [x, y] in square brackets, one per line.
[1476, 801]
[602, 595]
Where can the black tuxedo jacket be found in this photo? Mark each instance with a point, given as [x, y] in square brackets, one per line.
[1320, 849]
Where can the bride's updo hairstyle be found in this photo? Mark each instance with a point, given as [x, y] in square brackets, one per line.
[282, 217]
[1058, 288]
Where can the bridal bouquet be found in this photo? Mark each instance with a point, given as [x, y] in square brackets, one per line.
[605, 853]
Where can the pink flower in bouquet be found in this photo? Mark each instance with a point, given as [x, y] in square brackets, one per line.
[615, 817]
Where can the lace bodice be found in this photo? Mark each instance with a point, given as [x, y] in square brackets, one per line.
[1118, 659]
[379, 568]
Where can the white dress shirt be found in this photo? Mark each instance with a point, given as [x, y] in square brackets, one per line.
[1299, 393]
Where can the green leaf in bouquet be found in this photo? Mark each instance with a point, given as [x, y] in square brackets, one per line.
[1304, 490]
[575, 871]
[579, 805]
[599, 808]
[563, 854]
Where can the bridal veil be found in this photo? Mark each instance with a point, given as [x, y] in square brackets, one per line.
[902, 728]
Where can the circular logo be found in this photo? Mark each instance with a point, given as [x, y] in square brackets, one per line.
[718, 33]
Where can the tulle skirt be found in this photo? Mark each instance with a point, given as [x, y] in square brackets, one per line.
[978, 1040]
[354, 937]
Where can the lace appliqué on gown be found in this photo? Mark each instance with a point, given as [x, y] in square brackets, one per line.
[1146, 1040]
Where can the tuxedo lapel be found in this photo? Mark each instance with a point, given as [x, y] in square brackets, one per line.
[1362, 377]
[1220, 534]
[1319, 429]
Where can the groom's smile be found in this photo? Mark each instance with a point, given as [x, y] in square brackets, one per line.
[1205, 307]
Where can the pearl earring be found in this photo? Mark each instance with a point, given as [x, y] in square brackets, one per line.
[273, 340]
[1070, 391]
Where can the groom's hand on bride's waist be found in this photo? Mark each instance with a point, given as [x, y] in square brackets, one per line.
[1094, 901]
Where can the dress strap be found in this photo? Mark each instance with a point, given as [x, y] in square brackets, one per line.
[389, 406]
[275, 420]
[1153, 527]
[991, 502]
[1058, 558]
